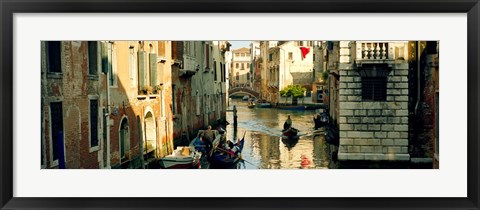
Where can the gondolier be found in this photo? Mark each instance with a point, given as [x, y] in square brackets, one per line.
[288, 123]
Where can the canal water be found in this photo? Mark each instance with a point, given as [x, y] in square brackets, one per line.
[264, 146]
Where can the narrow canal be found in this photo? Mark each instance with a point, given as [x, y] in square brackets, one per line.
[265, 148]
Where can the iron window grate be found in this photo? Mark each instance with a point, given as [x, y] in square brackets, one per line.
[374, 88]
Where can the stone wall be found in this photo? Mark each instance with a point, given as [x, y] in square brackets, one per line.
[373, 130]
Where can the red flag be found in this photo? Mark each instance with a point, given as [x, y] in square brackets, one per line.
[305, 51]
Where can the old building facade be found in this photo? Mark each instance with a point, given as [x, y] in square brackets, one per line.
[121, 104]
[73, 104]
[241, 74]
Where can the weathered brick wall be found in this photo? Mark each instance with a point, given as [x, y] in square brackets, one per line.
[373, 130]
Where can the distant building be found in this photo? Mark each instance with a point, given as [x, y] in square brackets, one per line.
[241, 73]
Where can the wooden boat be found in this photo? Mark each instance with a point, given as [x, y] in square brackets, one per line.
[245, 98]
[320, 121]
[299, 107]
[332, 135]
[290, 142]
[263, 104]
[251, 104]
[221, 158]
[290, 132]
[182, 157]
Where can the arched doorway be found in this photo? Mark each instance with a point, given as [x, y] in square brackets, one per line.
[124, 136]
[150, 140]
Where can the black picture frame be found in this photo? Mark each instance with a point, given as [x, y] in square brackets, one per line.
[10, 7]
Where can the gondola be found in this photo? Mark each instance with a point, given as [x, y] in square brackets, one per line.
[221, 158]
[320, 121]
[290, 142]
[332, 135]
[290, 132]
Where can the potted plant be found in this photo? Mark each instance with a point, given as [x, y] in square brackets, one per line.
[147, 89]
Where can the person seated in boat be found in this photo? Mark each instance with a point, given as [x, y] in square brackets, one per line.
[233, 149]
[209, 134]
[204, 145]
[288, 123]
[324, 116]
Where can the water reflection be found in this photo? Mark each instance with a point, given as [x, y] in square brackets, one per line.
[264, 146]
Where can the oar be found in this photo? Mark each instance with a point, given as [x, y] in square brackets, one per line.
[249, 162]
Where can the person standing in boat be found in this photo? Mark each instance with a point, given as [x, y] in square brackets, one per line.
[288, 123]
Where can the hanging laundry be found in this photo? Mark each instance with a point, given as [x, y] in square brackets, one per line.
[305, 51]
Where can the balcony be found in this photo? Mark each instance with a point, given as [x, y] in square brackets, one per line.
[377, 52]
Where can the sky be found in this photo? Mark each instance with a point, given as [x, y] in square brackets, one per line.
[239, 44]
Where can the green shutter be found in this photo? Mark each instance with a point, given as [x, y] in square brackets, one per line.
[153, 69]
[142, 68]
[104, 57]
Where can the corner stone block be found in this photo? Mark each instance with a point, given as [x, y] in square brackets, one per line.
[342, 155]
[401, 142]
[387, 142]
[393, 135]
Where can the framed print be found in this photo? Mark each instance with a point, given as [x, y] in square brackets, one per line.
[325, 104]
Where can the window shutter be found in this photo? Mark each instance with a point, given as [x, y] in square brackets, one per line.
[142, 68]
[104, 57]
[153, 69]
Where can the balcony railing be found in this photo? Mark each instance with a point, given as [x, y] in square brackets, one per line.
[374, 51]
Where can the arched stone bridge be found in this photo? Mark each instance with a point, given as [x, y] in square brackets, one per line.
[243, 91]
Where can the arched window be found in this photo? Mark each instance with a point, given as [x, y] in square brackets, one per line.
[237, 77]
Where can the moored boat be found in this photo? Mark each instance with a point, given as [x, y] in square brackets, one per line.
[182, 157]
[299, 107]
[321, 120]
[263, 104]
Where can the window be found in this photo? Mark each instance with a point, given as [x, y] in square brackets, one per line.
[198, 104]
[314, 57]
[174, 110]
[270, 57]
[207, 55]
[93, 123]
[54, 57]
[290, 56]
[243, 67]
[132, 67]
[236, 65]
[153, 69]
[237, 77]
[237, 54]
[215, 70]
[92, 58]
[56, 115]
[374, 88]
[142, 69]
[109, 62]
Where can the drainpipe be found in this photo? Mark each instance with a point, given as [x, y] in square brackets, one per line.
[107, 113]
[418, 75]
